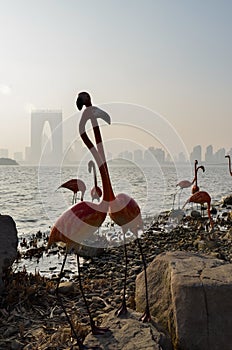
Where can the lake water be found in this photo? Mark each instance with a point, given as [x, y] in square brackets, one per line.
[30, 195]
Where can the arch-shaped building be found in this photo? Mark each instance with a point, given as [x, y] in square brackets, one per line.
[38, 120]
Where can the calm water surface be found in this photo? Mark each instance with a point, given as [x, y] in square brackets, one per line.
[30, 195]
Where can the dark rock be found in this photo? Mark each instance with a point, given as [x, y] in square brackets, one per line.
[8, 244]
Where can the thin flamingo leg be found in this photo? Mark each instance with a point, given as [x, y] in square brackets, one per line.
[146, 317]
[95, 329]
[79, 342]
[123, 308]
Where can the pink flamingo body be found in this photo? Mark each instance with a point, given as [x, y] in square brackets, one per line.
[185, 184]
[75, 185]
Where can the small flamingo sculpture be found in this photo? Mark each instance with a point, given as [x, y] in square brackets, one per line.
[75, 185]
[96, 192]
[201, 197]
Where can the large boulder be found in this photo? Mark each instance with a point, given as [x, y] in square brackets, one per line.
[127, 333]
[191, 297]
[8, 244]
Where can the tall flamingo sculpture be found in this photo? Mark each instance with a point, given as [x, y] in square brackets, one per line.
[123, 209]
[228, 156]
[195, 187]
[75, 185]
[201, 197]
[77, 224]
[96, 192]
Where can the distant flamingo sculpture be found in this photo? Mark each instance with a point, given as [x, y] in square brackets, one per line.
[96, 192]
[123, 209]
[228, 156]
[186, 183]
[195, 187]
[75, 185]
[201, 197]
[182, 184]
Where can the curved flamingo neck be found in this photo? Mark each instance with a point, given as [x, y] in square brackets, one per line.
[98, 154]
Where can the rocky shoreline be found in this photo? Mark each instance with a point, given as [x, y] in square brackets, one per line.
[31, 317]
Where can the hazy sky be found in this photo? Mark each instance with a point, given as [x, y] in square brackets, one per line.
[172, 57]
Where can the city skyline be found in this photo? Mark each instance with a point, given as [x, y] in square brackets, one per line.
[48, 130]
[69, 157]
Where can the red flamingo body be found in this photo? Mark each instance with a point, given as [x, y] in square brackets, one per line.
[75, 185]
[96, 191]
[230, 171]
[201, 197]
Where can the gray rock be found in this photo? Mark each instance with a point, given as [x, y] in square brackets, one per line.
[66, 287]
[128, 333]
[190, 295]
[8, 244]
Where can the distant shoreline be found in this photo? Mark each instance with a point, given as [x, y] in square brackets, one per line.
[8, 161]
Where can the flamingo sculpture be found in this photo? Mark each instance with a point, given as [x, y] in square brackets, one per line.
[201, 197]
[195, 187]
[228, 156]
[75, 185]
[78, 224]
[123, 209]
[96, 192]
[186, 183]
[182, 184]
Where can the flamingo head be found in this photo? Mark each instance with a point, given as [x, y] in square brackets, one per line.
[83, 99]
[201, 167]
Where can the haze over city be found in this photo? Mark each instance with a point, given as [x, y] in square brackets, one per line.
[172, 59]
